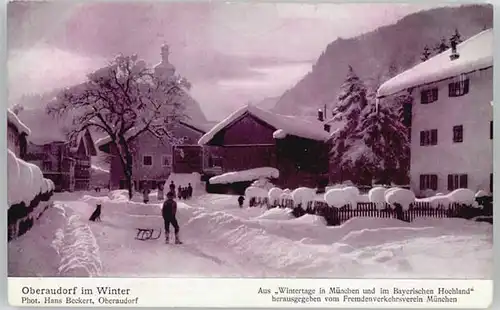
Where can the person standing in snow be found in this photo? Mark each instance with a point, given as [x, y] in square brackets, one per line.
[172, 187]
[169, 211]
[240, 201]
[190, 190]
[160, 192]
[179, 192]
[145, 195]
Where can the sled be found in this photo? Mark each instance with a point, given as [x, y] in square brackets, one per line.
[147, 234]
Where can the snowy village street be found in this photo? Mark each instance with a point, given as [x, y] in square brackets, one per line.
[222, 240]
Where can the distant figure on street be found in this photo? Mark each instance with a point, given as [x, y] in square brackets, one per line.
[179, 192]
[241, 199]
[160, 192]
[169, 211]
[184, 193]
[172, 187]
[190, 190]
[145, 195]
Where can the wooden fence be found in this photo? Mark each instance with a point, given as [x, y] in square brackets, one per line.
[337, 216]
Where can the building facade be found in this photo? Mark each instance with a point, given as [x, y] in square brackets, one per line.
[17, 134]
[452, 118]
[254, 138]
[154, 160]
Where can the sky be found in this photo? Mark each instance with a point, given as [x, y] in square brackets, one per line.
[232, 53]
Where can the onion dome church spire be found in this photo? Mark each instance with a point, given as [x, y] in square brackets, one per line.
[164, 69]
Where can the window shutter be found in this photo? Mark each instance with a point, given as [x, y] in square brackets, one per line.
[434, 181]
[422, 182]
[435, 94]
[422, 138]
[463, 181]
[434, 136]
[450, 182]
[451, 90]
[491, 129]
[491, 182]
[423, 97]
[466, 87]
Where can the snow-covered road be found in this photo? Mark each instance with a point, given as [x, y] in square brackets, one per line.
[224, 240]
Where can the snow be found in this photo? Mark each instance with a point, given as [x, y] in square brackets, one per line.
[437, 201]
[338, 197]
[377, 194]
[279, 134]
[290, 125]
[274, 194]
[462, 195]
[245, 175]
[225, 241]
[13, 180]
[263, 183]
[475, 53]
[16, 122]
[302, 196]
[37, 180]
[99, 169]
[481, 193]
[59, 244]
[401, 196]
[256, 192]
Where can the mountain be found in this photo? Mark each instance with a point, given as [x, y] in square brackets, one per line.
[267, 103]
[380, 54]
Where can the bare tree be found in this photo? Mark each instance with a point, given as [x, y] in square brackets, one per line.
[124, 100]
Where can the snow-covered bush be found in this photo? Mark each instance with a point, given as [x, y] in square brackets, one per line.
[287, 191]
[37, 179]
[353, 191]
[14, 195]
[377, 195]
[338, 197]
[263, 183]
[462, 195]
[403, 197]
[437, 201]
[303, 195]
[481, 193]
[256, 192]
[24, 185]
[274, 194]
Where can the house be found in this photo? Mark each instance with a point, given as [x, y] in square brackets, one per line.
[252, 138]
[17, 133]
[66, 163]
[154, 160]
[452, 117]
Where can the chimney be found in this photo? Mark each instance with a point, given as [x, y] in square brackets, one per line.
[321, 117]
[454, 54]
[327, 127]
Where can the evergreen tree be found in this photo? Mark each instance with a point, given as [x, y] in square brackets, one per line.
[386, 146]
[441, 47]
[456, 37]
[351, 101]
[426, 54]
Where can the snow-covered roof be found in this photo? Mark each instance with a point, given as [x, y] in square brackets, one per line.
[245, 175]
[286, 124]
[16, 122]
[475, 53]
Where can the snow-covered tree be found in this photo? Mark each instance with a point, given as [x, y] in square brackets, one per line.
[386, 146]
[124, 100]
[17, 108]
[456, 37]
[426, 54]
[441, 46]
[351, 101]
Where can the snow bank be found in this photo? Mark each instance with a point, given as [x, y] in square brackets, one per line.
[462, 195]
[404, 197]
[274, 194]
[245, 175]
[303, 195]
[377, 195]
[276, 214]
[310, 219]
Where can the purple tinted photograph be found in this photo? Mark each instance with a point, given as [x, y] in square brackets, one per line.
[250, 140]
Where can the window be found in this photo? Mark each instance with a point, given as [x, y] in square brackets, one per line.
[457, 181]
[428, 137]
[428, 96]
[147, 160]
[491, 182]
[458, 133]
[47, 166]
[166, 160]
[491, 130]
[428, 181]
[457, 89]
